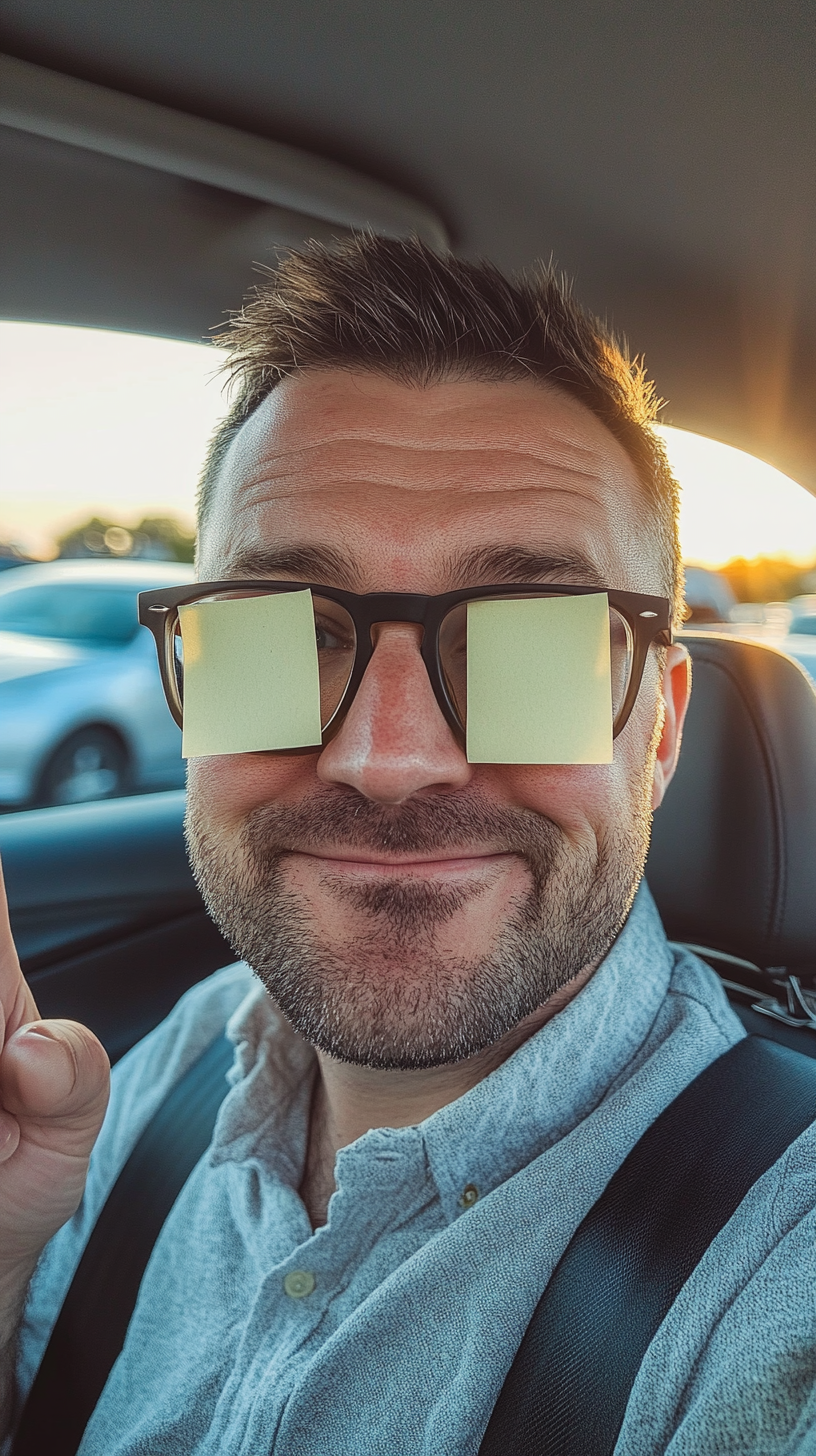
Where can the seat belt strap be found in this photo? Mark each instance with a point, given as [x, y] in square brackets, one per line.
[92, 1324]
[567, 1389]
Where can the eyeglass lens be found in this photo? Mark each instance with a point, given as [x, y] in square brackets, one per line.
[453, 657]
[336, 648]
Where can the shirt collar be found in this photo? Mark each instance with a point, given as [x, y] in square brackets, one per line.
[560, 1075]
[265, 1117]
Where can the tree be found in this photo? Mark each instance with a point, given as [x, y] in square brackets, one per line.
[156, 538]
[767, 578]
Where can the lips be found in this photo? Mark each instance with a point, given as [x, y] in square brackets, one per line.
[415, 866]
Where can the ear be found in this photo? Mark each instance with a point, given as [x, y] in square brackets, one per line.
[676, 688]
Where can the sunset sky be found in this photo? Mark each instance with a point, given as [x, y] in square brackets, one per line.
[97, 423]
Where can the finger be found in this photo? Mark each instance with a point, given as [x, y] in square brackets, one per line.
[54, 1080]
[17, 1005]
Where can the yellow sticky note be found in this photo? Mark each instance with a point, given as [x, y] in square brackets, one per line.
[539, 683]
[250, 674]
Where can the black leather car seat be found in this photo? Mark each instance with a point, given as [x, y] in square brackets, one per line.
[733, 859]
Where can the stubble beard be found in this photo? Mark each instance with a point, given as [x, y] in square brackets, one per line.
[393, 999]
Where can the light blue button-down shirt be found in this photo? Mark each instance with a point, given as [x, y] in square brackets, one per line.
[395, 1335]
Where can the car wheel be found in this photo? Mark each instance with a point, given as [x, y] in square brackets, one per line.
[91, 764]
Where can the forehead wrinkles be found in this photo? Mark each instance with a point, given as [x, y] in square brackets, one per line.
[363, 453]
[332, 408]
[471, 469]
[271, 458]
[540, 440]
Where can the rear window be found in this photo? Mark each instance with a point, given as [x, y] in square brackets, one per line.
[74, 613]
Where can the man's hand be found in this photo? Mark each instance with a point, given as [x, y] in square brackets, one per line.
[54, 1080]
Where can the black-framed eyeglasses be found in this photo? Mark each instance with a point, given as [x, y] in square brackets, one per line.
[345, 644]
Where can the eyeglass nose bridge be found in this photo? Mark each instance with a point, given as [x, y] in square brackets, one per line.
[382, 607]
[397, 608]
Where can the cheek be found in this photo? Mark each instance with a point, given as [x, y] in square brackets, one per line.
[583, 799]
[225, 789]
[579, 798]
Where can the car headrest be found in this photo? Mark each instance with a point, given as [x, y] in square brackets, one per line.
[733, 859]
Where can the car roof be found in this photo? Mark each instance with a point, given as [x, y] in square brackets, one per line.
[665, 155]
[139, 575]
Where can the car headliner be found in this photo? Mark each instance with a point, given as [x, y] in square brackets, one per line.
[666, 156]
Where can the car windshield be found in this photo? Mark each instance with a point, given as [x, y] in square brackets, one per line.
[73, 612]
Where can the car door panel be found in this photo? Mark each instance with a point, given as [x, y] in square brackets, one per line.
[109, 924]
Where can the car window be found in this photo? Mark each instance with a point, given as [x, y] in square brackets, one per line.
[102, 437]
[73, 613]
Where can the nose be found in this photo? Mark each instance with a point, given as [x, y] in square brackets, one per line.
[394, 741]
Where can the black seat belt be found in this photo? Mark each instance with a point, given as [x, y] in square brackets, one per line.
[566, 1391]
[569, 1384]
[92, 1324]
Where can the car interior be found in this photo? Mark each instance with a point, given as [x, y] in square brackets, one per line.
[156, 156]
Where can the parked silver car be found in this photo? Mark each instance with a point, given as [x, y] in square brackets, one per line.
[82, 713]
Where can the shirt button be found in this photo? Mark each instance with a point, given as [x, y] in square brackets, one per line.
[298, 1283]
[469, 1195]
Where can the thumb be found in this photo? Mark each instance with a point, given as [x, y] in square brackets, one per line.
[54, 1081]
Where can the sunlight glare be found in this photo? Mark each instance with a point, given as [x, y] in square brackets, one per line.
[100, 423]
[733, 504]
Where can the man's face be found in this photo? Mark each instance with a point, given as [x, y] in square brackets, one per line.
[404, 907]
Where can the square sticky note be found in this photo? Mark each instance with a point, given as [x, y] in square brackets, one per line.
[539, 685]
[250, 674]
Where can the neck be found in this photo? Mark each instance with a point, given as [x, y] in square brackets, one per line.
[349, 1100]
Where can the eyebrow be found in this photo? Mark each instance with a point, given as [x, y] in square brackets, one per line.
[489, 564]
[304, 563]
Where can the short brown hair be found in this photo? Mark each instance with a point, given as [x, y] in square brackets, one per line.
[397, 308]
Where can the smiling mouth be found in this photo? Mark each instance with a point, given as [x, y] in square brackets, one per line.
[417, 867]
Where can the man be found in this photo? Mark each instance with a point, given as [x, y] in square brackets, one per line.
[462, 1011]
